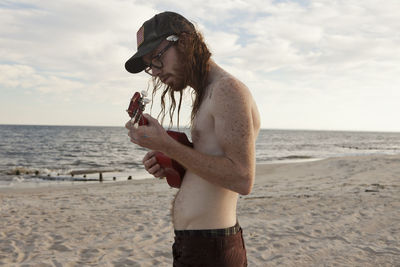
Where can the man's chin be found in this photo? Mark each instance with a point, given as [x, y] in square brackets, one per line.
[177, 87]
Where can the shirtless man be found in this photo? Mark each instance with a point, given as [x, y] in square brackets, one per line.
[225, 125]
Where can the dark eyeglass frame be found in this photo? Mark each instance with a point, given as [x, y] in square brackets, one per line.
[156, 60]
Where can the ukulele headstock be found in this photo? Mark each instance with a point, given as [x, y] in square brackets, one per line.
[136, 107]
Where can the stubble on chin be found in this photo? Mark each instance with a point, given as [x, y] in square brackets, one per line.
[179, 82]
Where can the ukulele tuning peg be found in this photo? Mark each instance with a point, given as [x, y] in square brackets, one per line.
[144, 93]
[146, 101]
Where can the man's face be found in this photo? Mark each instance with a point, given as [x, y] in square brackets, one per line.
[170, 72]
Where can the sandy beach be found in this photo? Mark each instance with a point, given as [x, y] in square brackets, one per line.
[333, 212]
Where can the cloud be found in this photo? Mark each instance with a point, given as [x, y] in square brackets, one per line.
[60, 46]
[285, 51]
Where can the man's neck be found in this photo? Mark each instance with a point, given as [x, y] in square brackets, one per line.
[214, 72]
[213, 68]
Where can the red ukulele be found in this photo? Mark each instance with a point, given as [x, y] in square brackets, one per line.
[174, 171]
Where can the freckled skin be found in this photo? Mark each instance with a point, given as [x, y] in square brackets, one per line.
[221, 164]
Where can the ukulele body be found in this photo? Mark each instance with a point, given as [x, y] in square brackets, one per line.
[174, 171]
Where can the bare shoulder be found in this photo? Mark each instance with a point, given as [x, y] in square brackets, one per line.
[233, 102]
[229, 87]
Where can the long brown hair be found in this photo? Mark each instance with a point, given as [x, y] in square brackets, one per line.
[194, 57]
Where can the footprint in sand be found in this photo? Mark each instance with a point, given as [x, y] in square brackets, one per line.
[58, 245]
[90, 255]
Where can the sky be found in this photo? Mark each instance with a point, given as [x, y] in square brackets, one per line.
[313, 65]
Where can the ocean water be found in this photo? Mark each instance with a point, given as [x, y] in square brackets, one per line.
[38, 155]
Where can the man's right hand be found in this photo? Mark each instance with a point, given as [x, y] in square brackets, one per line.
[151, 165]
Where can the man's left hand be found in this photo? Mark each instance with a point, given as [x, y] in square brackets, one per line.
[152, 136]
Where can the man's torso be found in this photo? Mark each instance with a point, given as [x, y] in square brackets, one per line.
[199, 204]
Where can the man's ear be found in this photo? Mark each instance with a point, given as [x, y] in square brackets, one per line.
[183, 36]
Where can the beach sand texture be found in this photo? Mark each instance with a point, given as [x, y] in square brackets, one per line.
[333, 212]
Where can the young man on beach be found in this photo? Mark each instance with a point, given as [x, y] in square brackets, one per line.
[225, 125]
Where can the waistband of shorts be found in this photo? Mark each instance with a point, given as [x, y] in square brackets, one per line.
[210, 232]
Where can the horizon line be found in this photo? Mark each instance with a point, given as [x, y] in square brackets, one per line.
[268, 129]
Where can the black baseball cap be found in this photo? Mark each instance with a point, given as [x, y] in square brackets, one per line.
[151, 34]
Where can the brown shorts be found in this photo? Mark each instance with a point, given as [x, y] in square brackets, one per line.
[216, 247]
